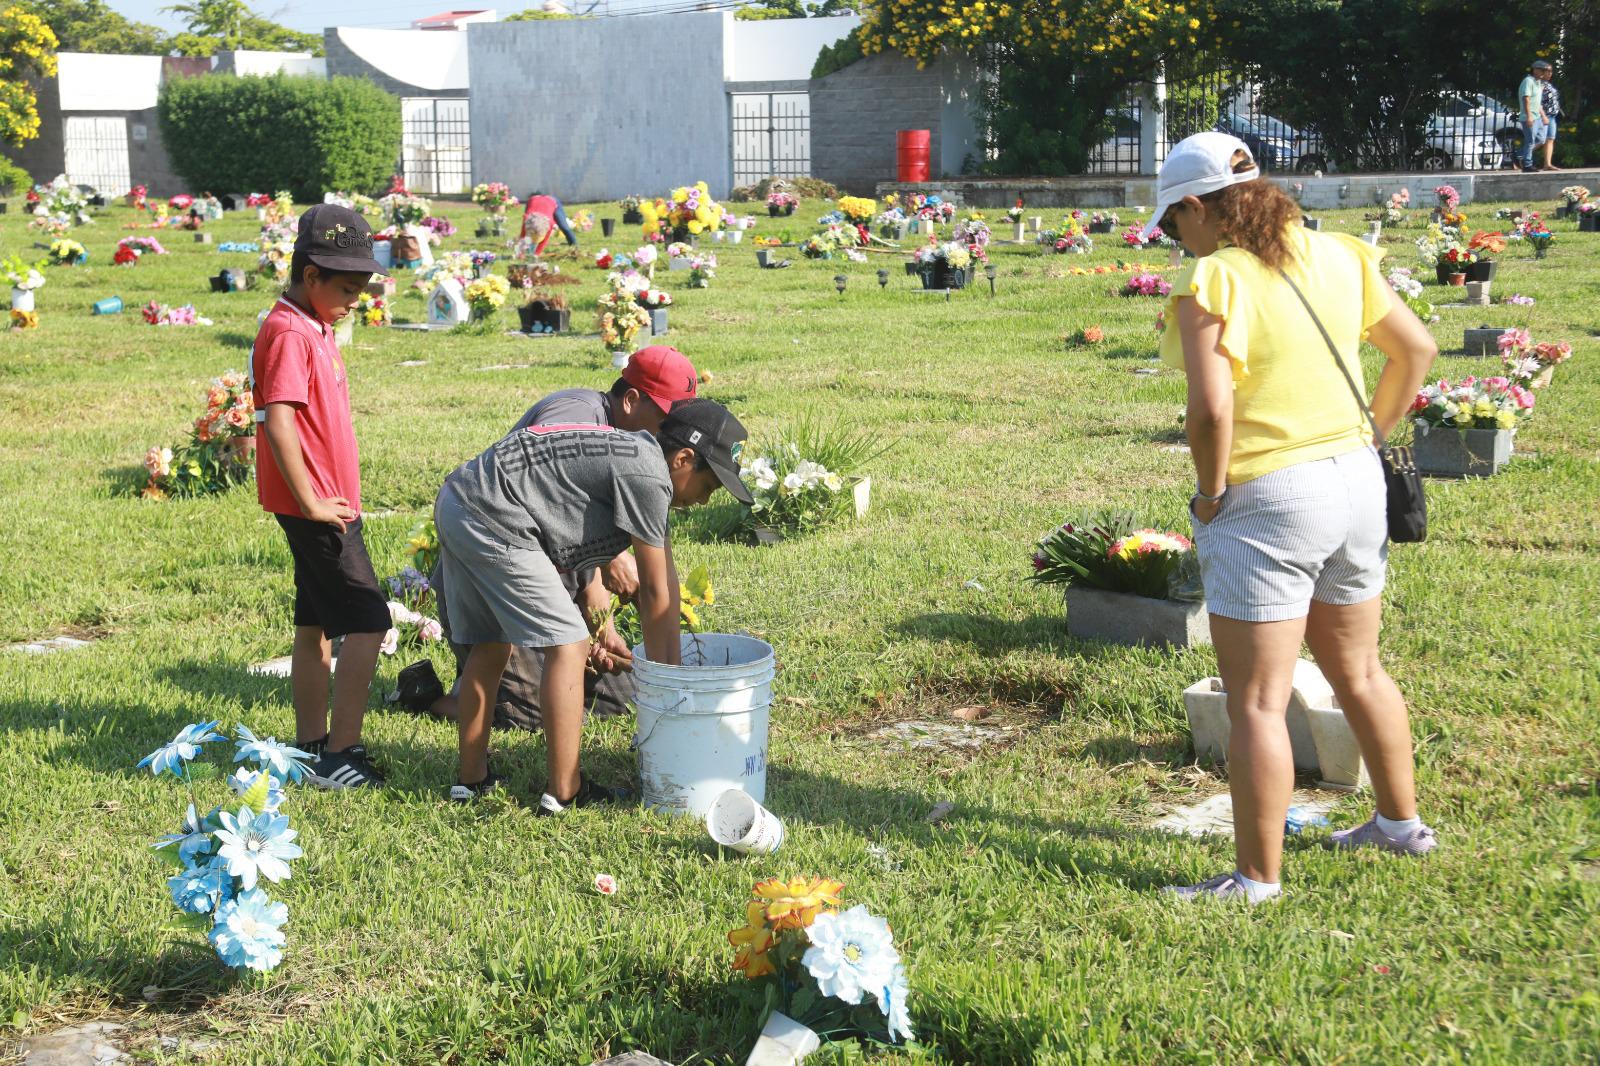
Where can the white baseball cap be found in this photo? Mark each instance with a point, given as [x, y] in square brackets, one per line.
[1198, 165]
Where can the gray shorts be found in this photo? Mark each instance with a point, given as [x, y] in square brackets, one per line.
[1313, 531]
[499, 593]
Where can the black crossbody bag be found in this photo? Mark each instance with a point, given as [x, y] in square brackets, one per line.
[1408, 507]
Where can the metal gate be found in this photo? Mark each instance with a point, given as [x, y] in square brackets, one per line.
[436, 145]
[97, 153]
[771, 136]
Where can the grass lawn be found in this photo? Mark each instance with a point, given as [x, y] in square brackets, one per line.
[422, 932]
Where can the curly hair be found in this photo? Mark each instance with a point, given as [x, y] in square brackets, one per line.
[1256, 216]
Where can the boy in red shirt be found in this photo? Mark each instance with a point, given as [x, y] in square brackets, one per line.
[309, 477]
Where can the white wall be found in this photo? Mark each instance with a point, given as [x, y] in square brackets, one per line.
[428, 59]
[108, 82]
[548, 112]
[265, 63]
[781, 49]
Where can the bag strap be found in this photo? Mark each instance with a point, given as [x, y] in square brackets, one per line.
[1378, 438]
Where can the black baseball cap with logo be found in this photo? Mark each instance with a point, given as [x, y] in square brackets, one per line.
[336, 238]
[714, 434]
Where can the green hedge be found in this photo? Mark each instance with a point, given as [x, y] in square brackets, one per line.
[14, 181]
[308, 135]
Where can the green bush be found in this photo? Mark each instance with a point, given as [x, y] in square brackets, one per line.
[13, 179]
[838, 55]
[302, 134]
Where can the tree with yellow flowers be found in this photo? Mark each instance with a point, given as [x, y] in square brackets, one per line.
[1057, 69]
[27, 55]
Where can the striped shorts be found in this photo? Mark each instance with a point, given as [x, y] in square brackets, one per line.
[1313, 531]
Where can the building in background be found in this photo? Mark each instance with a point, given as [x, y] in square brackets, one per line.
[736, 108]
[454, 20]
[427, 70]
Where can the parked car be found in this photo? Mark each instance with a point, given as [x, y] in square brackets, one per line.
[1275, 144]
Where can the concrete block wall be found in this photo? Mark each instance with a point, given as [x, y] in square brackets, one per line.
[542, 118]
[856, 112]
[46, 155]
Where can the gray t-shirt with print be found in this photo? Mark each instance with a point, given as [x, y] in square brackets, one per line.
[568, 407]
[580, 493]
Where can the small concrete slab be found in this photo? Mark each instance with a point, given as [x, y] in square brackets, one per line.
[633, 1058]
[413, 362]
[49, 645]
[1214, 814]
[1175, 449]
[508, 366]
[425, 327]
[944, 736]
[77, 1045]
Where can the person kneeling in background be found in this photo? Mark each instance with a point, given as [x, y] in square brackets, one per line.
[553, 499]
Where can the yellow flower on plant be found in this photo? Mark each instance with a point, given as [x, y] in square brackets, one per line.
[795, 903]
[690, 618]
[1505, 419]
[696, 226]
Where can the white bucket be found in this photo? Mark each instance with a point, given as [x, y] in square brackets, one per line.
[702, 726]
[736, 821]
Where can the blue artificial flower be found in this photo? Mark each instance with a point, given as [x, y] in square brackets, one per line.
[248, 932]
[850, 954]
[284, 762]
[202, 889]
[893, 1001]
[170, 757]
[195, 839]
[244, 777]
[257, 845]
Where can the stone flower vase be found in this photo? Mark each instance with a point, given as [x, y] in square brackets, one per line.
[1122, 618]
[1482, 270]
[1443, 451]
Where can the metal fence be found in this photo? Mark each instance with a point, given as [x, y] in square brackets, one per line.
[436, 145]
[96, 152]
[1465, 130]
[771, 136]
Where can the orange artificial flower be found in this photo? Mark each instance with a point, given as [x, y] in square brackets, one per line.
[795, 904]
[1493, 243]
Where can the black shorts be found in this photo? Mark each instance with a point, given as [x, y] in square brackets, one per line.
[334, 585]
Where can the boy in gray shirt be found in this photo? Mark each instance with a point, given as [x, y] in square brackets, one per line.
[552, 499]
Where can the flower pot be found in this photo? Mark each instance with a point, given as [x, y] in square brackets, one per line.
[1338, 756]
[1458, 279]
[111, 305]
[1311, 223]
[1122, 618]
[607, 226]
[632, 218]
[1538, 253]
[383, 253]
[658, 321]
[764, 258]
[242, 450]
[783, 1042]
[1445, 452]
[1100, 227]
[913, 267]
[537, 318]
[735, 236]
[1482, 270]
[1589, 222]
[22, 300]
[1442, 272]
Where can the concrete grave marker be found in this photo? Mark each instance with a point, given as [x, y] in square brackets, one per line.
[48, 645]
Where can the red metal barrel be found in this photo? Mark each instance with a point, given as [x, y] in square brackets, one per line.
[912, 154]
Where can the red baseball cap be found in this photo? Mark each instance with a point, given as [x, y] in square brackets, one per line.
[664, 374]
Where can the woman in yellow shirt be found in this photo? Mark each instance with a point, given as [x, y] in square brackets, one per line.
[1289, 505]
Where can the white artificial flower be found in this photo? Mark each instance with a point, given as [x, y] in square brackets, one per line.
[391, 642]
[832, 482]
[793, 482]
[399, 613]
[850, 954]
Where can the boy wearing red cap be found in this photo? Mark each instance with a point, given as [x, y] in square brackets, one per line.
[656, 380]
